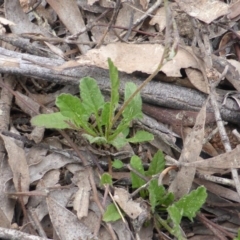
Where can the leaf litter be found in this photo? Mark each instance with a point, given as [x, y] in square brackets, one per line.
[53, 182]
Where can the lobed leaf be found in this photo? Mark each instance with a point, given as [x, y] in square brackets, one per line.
[190, 204]
[156, 193]
[157, 164]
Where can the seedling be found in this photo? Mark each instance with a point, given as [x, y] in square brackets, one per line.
[99, 120]
[161, 202]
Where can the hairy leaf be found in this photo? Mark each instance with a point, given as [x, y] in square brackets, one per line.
[134, 108]
[141, 136]
[111, 214]
[91, 95]
[52, 120]
[136, 163]
[113, 73]
[157, 164]
[190, 204]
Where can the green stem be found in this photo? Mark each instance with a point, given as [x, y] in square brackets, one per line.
[125, 104]
[163, 223]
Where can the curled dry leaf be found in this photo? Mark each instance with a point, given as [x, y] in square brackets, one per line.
[130, 207]
[81, 200]
[138, 57]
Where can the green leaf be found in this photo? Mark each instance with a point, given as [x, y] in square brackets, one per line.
[118, 164]
[111, 214]
[52, 120]
[122, 127]
[119, 142]
[91, 95]
[238, 236]
[167, 199]
[106, 178]
[136, 163]
[105, 115]
[176, 217]
[98, 140]
[156, 194]
[190, 204]
[72, 107]
[157, 164]
[141, 136]
[113, 73]
[134, 108]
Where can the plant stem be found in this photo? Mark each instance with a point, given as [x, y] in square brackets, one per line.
[163, 223]
[164, 56]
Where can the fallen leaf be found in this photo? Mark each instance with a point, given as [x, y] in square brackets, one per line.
[66, 224]
[18, 163]
[130, 207]
[139, 57]
[204, 10]
[182, 182]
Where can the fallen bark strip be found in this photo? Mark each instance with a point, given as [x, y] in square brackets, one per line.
[157, 93]
[15, 234]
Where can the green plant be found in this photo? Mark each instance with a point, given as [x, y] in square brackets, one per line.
[99, 120]
[161, 201]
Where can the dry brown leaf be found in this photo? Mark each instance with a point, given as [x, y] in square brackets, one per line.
[14, 13]
[197, 80]
[98, 31]
[204, 10]
[55, 50]
[91, 2]
[4, 21]
[130, 207]
[6, 204]
[129, 12]
[18, 163]
[219, 190]
[122, 230]
[234, 10]
[71, 17]
[138, 57]
[51, 161]
[62, 196]
[66, 224]
[182, 183]
[223, 161]
[144, 4]
[81, 200]
[159, 18]
[28, 105]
